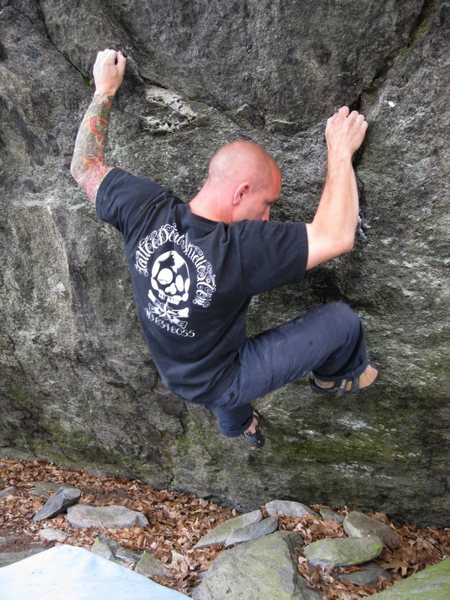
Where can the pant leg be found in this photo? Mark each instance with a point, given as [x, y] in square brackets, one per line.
[328, 341]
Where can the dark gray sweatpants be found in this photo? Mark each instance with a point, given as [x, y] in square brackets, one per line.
[328, 341]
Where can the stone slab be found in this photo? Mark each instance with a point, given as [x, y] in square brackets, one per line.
[221, 533]
[58, 503]
[343, 552]
[357, 524]
[82, 515]
[253, 531]
[287, 508]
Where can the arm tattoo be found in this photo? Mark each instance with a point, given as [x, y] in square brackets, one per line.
[87, 166]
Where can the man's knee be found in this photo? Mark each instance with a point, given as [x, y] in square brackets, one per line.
[345, 317]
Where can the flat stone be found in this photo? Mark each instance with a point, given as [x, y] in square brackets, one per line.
[64, 497]
[42, 488]
[369, 575]
[253, 531]
[330, 515]
[433, 583]
[150, 566]
[113, 516]
[5, 540]
[9, 491]
[53, 535]
[257, 570]
[109, 548]
[287, 508]
[8, 558]
[222, 532]
[343, 552]
[102, 549]
[357, 524]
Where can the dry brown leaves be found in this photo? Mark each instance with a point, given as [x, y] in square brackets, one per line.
[177, 521]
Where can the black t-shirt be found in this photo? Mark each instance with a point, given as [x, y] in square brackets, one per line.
[193, 278]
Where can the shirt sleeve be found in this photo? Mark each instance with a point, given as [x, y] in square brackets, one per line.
[272, 254]
[123, 199]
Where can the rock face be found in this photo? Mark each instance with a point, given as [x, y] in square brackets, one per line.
[77, 385]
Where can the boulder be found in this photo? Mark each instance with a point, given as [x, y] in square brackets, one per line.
[343, 552]
[433, 583]
[77, 384]
[113, 516]
[357, 524]
[256, 570]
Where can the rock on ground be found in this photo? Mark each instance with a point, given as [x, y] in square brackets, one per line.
[82, 515]
[433, 583]
[287, 508]
[150, 566]
[58, 503]
[342, 552]
[219, 534]
[357, 524]
[259, 570]
[252, 532]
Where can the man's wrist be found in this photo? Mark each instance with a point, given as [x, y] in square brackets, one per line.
[101, 93]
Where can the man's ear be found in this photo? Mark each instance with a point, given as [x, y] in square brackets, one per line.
[240, 192]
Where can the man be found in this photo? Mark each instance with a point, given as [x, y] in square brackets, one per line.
[196, 266]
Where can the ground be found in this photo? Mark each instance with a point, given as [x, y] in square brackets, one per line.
[177, 521]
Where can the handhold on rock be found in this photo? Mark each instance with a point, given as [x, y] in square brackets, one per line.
[58, 503]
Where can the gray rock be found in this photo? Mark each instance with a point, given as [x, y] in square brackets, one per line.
[53, 535]
[82, 516]
[112, 550]
[331, 515]
[252, 532]
[257, 570]
[58, 503]
[222, 532]
[8, 558]
[343, 552]
[150, 566]
[9, 491]
[369, 575]
[287, 508]
[76, 379]
[42, 488]
[357, 524]
[433, 583]
[102, 549]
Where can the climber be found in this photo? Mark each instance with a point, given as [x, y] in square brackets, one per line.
[195, 266]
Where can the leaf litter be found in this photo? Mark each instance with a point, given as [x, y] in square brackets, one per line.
[178, 520]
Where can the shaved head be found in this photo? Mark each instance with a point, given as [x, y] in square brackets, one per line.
[241, 160]
[243, 182]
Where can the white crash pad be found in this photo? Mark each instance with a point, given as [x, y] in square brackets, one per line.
[73, 573]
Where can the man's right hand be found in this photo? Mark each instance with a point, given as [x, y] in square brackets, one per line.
[345, 132]
[109, 69]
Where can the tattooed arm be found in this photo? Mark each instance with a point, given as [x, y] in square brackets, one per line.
[88, 168]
